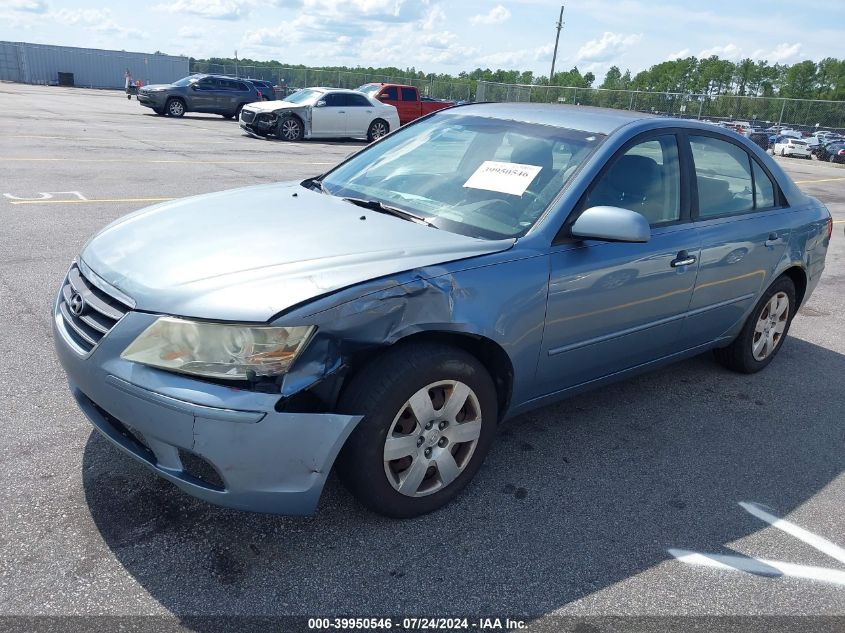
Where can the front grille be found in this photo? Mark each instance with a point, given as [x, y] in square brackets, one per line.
[247, 116]
[87, 311]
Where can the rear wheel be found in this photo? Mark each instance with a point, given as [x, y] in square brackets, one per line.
[763, 333]
[378, 128]
[175, 107]
[430, 414]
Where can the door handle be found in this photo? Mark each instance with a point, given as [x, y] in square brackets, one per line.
[683, 259]
[341, 111]
[773, 239]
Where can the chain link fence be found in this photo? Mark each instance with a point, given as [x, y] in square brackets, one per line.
[294, 77]
[803, 114]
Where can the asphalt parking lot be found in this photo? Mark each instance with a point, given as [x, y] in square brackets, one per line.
[600, 505]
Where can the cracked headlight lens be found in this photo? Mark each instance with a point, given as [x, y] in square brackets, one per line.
[218, 350]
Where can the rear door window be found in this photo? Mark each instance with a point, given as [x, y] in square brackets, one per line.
[764, 188]
[409, 94]
[723, 176]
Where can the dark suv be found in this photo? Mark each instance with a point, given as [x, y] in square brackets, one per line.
[200, 93]
[265, 89]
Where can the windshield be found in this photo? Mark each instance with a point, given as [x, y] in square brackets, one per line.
[303, 96]
[369, 89]
[185, 81]
[472, 175]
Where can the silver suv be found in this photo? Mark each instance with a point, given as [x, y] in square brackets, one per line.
[213, 94]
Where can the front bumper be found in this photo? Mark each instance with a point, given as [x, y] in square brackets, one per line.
[251, 457]
[259, 124]
[155, 100]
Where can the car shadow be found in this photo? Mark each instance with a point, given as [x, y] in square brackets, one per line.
[573, 498]
[192, 117]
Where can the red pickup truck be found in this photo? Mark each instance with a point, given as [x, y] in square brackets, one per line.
[406, 100]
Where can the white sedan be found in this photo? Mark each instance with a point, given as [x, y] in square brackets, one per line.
[787, 146]
[320, 113]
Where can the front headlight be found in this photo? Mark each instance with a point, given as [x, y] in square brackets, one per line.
[218, 350]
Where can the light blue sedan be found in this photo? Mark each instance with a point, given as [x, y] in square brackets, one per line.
[386, 317]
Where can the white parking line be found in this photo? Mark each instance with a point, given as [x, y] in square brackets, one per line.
[772, 568]
[814, 541]
[759, 566]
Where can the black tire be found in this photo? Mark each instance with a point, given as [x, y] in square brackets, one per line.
[380, 392]
[290, 128]
[175, 108]
[377, 129]
[739, 356]
[833, 158]
[227, 116]
[783, 153]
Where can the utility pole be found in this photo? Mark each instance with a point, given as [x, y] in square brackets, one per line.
[557, 39]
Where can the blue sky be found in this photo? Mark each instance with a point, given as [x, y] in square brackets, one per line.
[441, 35]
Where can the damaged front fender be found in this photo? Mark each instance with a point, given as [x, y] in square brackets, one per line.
[476, 302]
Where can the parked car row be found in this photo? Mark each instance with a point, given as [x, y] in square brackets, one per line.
[369, 112]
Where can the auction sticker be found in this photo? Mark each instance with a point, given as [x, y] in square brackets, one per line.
[512, 178]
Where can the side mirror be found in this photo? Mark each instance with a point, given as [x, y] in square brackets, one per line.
[320, 104]
[194, 87]
[383, 95]
[611, 224]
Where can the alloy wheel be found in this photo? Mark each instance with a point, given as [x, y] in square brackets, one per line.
[379, 129]
[432, 438]
[176, 108]
[290, 129]
[771, 324]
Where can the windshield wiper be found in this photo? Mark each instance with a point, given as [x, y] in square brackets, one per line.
[381, 207]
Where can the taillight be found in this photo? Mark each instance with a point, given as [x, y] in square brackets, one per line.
[259, 93]
[841, 152]
[829, 227]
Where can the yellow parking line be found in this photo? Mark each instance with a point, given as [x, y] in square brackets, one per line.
[94, 200]
[163, 161]
[839, 221]
[807, 182]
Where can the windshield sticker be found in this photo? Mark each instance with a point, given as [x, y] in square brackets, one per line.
[512, 178]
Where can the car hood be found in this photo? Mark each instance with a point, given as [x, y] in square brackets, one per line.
[248, 254]
[272, 106]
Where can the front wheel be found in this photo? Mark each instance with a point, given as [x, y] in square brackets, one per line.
[763, 333]
[430, 415]
[290, 129]
[175, 107]
[377, 129]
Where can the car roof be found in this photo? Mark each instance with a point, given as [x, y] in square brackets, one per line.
[585, 118]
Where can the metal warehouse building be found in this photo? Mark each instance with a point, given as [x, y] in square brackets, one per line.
[90, 67]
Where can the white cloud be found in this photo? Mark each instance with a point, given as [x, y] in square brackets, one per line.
[99, 20]
[496, 15]
[191, 32]
[780, 53]
[211, 9]
[608, 46]
[30, 6]
[728, 51]
[681, 54]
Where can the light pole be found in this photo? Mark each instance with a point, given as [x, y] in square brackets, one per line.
[557, 39]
